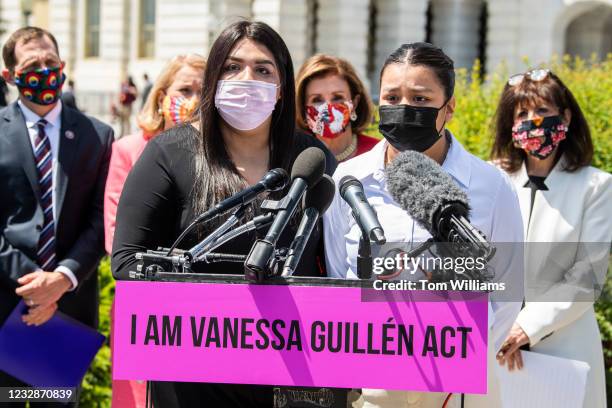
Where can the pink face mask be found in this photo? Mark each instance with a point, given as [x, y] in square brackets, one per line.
[245, 105]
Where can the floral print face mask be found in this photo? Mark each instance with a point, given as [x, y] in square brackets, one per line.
[539, 136]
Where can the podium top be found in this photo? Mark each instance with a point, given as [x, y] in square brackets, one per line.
[240, 279]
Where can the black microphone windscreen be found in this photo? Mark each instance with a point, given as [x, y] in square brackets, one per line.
[275, 179]
[321, 194]
[420, 186]
[309, 165]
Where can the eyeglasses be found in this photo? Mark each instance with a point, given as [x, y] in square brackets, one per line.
[535, 75]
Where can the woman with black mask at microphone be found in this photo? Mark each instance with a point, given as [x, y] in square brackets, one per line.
[245, 128]
[416, 102]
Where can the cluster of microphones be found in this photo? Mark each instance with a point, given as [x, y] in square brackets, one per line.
[417, 184]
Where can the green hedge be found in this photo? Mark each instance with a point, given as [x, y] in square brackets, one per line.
[97, 382]
[590, 82]
[477, 97]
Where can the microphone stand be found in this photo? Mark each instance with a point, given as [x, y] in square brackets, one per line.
[364, 256]
[262, 261]
[195, 252]
[257, 222]
[476, 242]
[296, 250]
[164, 259]
[154, 263]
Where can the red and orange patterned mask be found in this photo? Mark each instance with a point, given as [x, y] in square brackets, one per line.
[329, 120]
[41, 86]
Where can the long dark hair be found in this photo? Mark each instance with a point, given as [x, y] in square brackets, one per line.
[577, 146]
[428, 55]
[216, 175]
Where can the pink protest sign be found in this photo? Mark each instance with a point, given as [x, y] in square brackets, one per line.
[297, 335]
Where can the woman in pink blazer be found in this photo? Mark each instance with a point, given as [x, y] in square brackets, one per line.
[171, 101]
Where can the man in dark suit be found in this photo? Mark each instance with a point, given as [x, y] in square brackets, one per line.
[53, 166]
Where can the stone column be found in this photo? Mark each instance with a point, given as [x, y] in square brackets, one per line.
[502, 35]
[342, 30]
[526, 30]
[98, 78]
[397, 22]
[12, 18]
[455, 28]
[223, 13]
[63, 25]
[290, 19]
[182, 27]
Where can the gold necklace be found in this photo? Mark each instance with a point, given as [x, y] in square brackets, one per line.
[348, 151]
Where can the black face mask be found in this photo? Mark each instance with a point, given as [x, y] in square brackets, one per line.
[409, 127]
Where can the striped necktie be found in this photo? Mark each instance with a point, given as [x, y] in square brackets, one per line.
[44, 165]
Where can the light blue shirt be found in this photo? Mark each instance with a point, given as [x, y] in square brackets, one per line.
[494, 206]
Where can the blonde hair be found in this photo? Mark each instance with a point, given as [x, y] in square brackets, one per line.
[321, 65]
[150, 120]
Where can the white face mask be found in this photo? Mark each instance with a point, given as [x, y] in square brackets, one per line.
[245, 105]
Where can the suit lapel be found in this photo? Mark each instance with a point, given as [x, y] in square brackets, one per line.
[18, 134]
[68, 146]
[546, 208]
[524, 196]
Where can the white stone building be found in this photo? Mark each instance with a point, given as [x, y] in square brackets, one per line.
[103, 40]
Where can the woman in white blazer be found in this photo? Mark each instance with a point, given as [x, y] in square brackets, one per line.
[543, 141]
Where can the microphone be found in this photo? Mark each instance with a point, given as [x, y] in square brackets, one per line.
[431, 197]
[273, 180]
[316, 201]
[351, 191]
[307, 170]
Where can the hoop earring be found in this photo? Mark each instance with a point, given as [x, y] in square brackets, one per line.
[353, 116]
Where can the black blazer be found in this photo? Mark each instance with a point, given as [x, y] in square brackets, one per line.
[155, 207]
[83, 161]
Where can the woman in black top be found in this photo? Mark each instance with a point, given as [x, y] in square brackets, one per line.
[245, 128]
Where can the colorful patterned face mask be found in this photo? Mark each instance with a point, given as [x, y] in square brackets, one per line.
[177, 109]
[329, 120]
[539, 136]
[41, 86]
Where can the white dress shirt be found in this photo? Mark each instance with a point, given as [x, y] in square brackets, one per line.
[495, 211]
[52, 130]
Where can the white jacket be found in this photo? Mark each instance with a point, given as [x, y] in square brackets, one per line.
[567, 249]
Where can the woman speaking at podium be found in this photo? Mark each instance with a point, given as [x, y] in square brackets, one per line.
[189, 168]
[416, 102]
